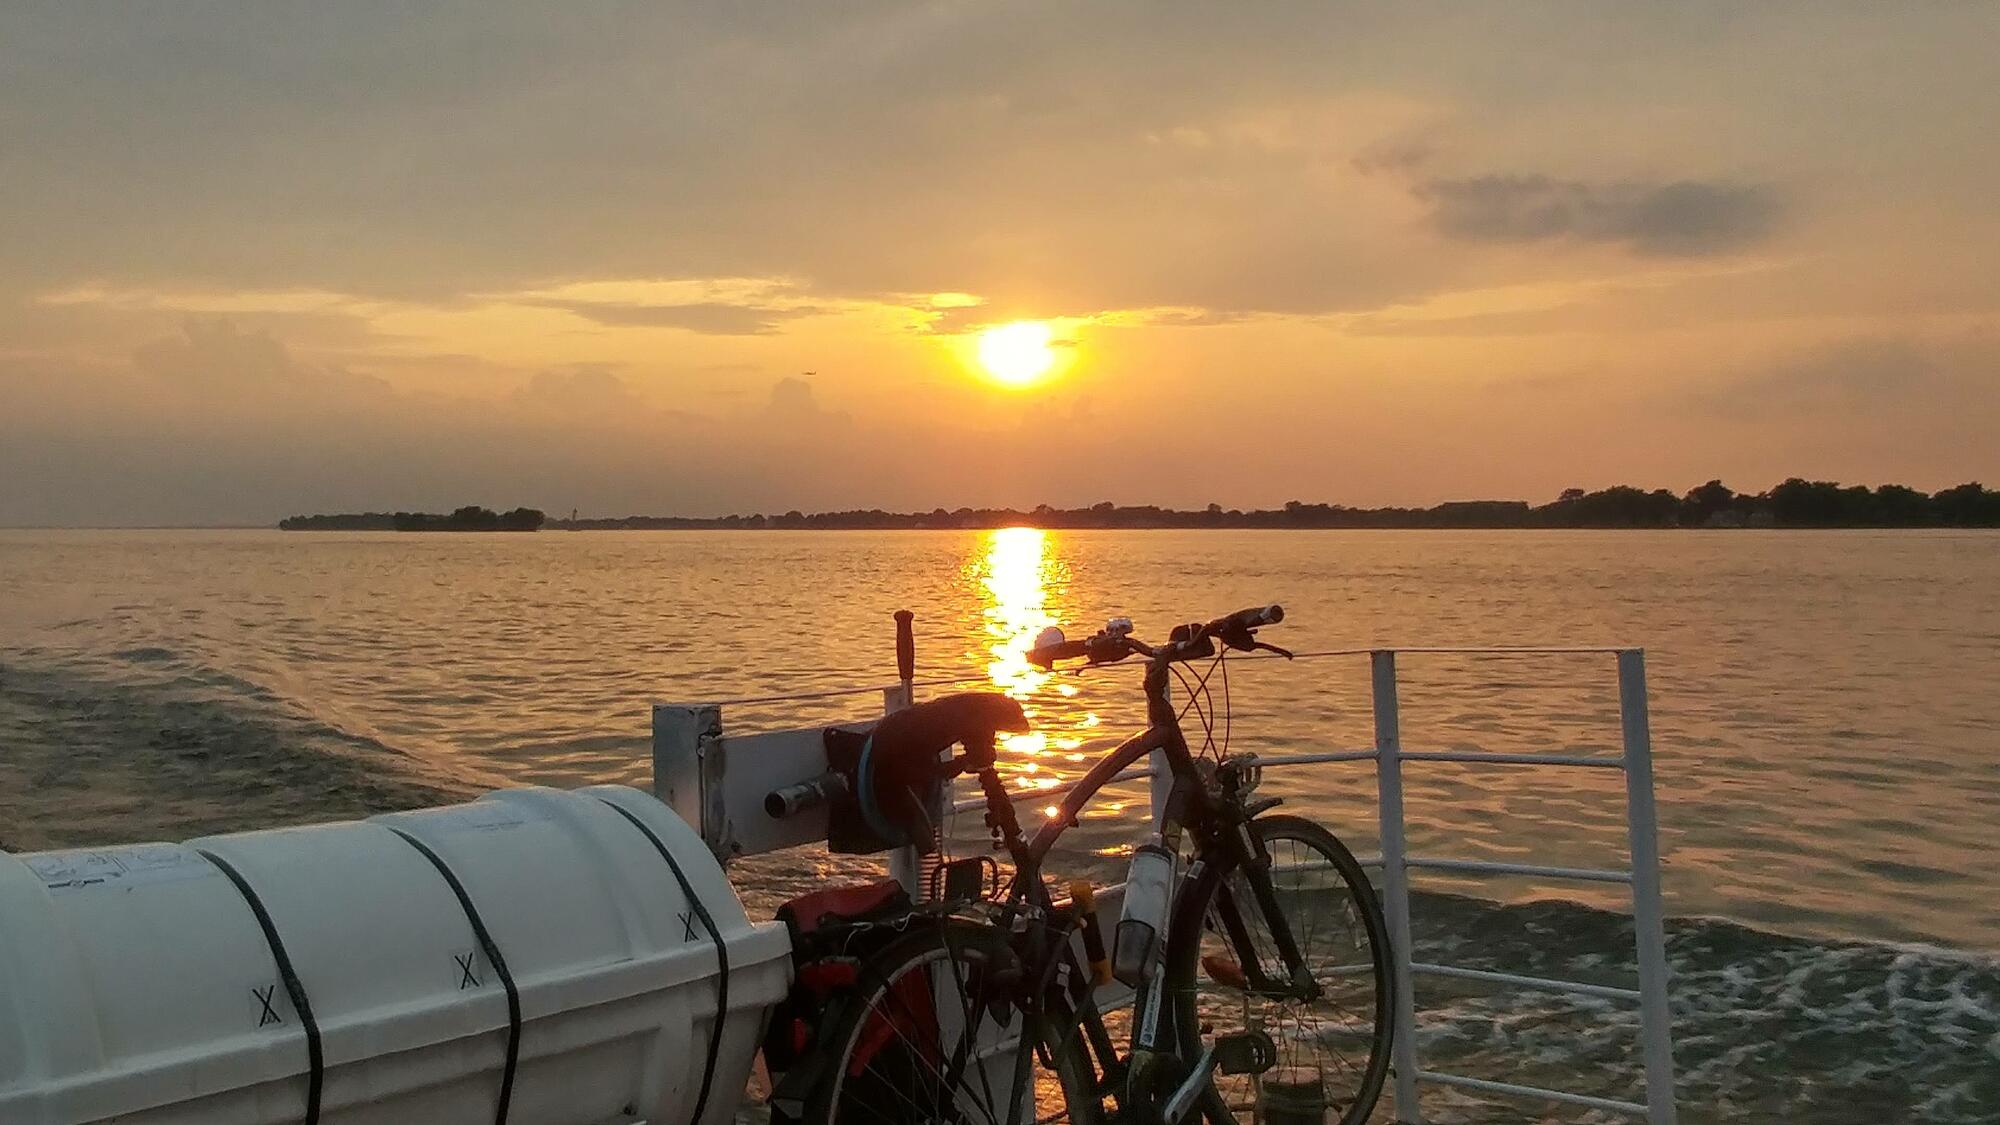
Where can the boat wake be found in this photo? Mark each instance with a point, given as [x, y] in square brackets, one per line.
[1767, 1027]
[148, 745]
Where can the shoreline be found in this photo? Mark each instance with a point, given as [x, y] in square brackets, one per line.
[1030, 525]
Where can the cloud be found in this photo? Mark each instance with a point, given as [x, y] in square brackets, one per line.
[1175, 318]
[1394, 155]
[214, 356]
[1854, 372]
[710, 318]
[793, 403]
[588, 388]
[1860, 378]
[1678, 218]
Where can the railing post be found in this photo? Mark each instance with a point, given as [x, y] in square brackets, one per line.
[1648, 921]
[1396, 879]
[905, 865]
[688, 767]
[1159, 779]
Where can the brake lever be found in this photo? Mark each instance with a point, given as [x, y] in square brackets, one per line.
[1269, 647]
[1241, 640]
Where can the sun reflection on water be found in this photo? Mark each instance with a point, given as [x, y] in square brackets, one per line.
[1016, 576]
[1023, 581]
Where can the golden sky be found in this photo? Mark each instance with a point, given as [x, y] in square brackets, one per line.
[258, 259]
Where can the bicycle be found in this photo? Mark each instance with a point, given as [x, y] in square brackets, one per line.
[945, 1018]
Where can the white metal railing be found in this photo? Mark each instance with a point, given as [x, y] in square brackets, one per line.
[718, 783]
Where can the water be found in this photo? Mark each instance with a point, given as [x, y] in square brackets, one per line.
[1823, 711]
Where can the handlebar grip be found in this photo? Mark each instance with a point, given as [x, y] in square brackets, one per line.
[1256, 617]
[1065, 650]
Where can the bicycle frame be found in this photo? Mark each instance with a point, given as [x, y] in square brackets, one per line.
[1187, 802]
[1163, 733]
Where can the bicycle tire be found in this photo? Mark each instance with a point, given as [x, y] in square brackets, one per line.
[890, 1086]
[1362, 1085]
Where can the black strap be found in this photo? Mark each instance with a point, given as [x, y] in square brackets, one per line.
[721, 956]
[493, 958]
[294, 988]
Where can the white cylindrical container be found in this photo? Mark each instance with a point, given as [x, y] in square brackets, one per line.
[387, 970]
[1149, 892]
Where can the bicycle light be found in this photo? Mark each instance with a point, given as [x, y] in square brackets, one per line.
[1049, 637]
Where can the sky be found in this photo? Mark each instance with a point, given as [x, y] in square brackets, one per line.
[261, 259]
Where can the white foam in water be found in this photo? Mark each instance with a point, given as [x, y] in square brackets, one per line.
[1767, 1027]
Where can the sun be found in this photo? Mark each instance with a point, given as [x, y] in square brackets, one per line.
[1017, 354]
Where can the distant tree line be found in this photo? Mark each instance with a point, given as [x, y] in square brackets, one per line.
[1794, 503]
[469, 518]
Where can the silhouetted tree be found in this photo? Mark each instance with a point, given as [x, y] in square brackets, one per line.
[1967, 505]
[1704, 502]
[1807, 503]
[1794, 503]
[1902, 506]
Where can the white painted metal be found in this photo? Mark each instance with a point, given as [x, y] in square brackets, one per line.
[1541, 984]
[1162, 784]
[717, 781]
[1648, 921]
[1610, 1105]
[1478, 758]
[683, 775]
[1395, 877]
[905, 865]
[137, 984]
[1315, 759]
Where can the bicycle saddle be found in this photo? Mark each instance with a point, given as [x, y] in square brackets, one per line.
[904, 753]
[913, 737]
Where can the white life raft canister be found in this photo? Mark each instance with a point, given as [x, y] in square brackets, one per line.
[535, 956]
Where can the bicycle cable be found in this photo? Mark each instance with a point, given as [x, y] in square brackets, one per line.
[1196, 693]
[1228, 707]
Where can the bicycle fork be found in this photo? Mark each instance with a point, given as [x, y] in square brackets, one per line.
[1196, 1088]
[1255, 864]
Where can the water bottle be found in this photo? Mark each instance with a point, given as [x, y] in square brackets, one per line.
[1149, 890]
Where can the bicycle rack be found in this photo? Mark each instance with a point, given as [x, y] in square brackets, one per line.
[718, 782]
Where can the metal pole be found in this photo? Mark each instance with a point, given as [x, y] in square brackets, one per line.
[905, 866]
[1160, 781]
[688, 770]
[1648, 922]
[1396, 880]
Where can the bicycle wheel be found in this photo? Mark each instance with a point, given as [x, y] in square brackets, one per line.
[930, 1039]
[1331, 1052]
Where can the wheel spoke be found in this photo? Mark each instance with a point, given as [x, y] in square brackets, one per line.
[927, 1014]
[1331, 1041]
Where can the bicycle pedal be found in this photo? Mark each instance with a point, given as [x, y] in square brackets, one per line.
[1246, 1052]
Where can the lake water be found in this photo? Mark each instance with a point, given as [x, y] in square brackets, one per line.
[1825, 717]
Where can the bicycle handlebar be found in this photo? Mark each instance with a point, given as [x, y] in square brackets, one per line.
[1233, 629]
[1046, 655]
[1253, 618]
